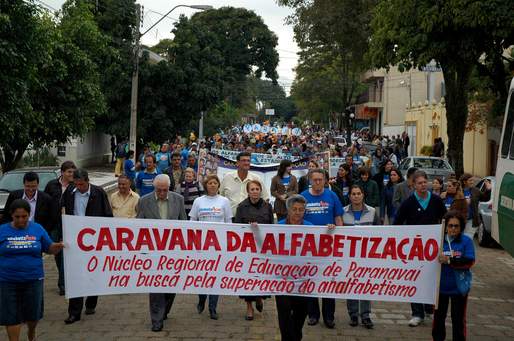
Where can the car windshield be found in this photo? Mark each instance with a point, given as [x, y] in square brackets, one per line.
[14, 181]
[423, 163]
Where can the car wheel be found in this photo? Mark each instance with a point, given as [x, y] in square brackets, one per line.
[484, 238]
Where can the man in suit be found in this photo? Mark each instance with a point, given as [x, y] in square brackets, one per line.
[40, 202]
[161, 204]
[84, 199]
[55, 188]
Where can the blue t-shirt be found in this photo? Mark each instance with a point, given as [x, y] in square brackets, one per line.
[286, 180]
[467, 196]
[20, 252]
[357, 217]
[163, 161]
[448, 202]
[144, 182]
[322, 209]
[129, 169]
[305, 222]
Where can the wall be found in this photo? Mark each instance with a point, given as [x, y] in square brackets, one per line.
[402, 90]
[430, 122]
[92, 150]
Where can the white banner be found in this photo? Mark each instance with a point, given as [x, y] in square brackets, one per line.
[119, 256]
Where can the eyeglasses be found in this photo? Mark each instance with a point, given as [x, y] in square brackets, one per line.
[453, 225]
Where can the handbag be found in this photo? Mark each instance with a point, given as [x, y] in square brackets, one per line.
[463, 279]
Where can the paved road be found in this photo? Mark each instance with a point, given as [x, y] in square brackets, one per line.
[490, 316]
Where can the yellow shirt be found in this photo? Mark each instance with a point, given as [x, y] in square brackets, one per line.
[124, 207]
[234, 189]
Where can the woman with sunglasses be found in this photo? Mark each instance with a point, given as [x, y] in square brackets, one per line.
[458, 256]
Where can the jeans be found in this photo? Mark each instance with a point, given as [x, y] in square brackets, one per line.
[213, 301]
[356, 306]
[420, 309]
[328, 308]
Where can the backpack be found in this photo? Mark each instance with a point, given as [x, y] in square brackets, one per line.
[121, 150]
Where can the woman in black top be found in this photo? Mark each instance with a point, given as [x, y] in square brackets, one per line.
[254, 210]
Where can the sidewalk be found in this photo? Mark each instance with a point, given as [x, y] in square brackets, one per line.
[103, 176]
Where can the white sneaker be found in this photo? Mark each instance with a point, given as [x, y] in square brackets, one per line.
[429, 317]
[415, 321]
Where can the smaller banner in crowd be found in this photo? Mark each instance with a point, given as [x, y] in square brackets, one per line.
[119, 256]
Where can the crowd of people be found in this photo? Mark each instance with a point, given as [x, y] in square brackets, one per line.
[367, 190]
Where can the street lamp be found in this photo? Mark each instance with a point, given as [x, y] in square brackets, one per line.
[135, 74]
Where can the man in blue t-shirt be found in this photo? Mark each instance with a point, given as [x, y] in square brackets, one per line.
[323, 208]
[144, 180]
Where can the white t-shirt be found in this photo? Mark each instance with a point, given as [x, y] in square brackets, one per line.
[215, 209]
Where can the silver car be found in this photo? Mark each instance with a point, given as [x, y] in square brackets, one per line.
[433, 166]
[485, 209]
[13, 180]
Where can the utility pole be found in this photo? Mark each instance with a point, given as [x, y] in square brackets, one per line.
[135, 83]
[200, 128]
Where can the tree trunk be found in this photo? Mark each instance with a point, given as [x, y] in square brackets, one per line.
[456, 78]
[11, 156]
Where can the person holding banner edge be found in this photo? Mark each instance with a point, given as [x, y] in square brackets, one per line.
[420, 208]
[292, 310]
[215, 208]
[161, 204]
[355, 214]
[21, 270]
[254, 210]
[323, 208]
[457, 257]
[83, 199]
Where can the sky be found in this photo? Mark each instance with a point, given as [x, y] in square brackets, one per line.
[272, 14]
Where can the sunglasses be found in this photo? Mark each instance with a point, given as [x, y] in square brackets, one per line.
[453, 225]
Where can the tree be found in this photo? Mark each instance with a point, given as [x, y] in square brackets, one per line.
[116, 20]
[218, 49]
[455, 33]
[333, 38]
[50, 87]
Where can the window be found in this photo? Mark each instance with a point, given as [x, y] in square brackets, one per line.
[508, 129]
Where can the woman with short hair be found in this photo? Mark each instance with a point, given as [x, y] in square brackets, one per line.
[254, 210]
[190, 189]
[22, 243]
[292, 310]
[214, 208]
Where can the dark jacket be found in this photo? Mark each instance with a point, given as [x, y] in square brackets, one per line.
[54, 190]
[277, 188]
[43, 213]
[97, 205]
[411, 213]
[247, 212]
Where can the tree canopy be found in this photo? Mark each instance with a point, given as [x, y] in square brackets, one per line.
[455, 33]
[50, 85]
[333, 38]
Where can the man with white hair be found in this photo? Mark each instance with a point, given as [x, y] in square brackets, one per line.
[161, 204]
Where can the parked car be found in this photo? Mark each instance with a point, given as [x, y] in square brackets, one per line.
[433, 166]
[485, 209]
[13, 180]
